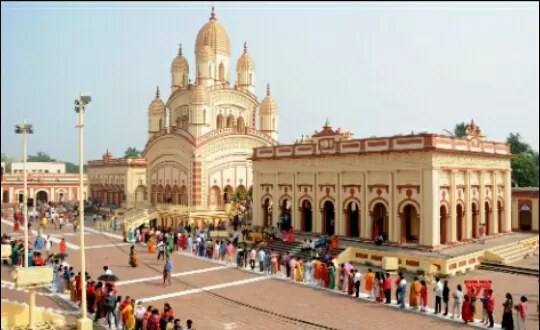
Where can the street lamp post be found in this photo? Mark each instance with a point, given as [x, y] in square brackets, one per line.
[84, 323]
[24, 130]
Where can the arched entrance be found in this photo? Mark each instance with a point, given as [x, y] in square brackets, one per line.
[153, 194]
[500, 215]
[411, 224]
[140, 194]
[307, 216]
[240, 193]
[160, 194]
[285, 217]
[183, 195]
[443, 225]
[459, 225]
[329, 218]
[488, 218]
[168, 195]
[267, 212]
[474, 228]
[42, 196]
[525, 218]
[215, 196]
[353, 220]
[228, 194]
[380, 220]
[5, 196]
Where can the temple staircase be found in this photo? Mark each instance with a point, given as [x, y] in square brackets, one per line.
[509, 253]
[137, 217]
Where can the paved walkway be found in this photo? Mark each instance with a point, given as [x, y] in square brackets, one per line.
[217, 295]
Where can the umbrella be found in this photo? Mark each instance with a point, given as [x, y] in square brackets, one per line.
[108, 278]
[61, 256]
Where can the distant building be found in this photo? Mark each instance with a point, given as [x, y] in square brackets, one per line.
[39, 167]
[525, 205]
[47, 182]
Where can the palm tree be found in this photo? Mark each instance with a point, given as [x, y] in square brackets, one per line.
[132, 152]
[460, 130]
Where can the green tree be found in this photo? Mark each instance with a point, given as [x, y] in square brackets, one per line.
[132, 152]
[459, 131]
[518, 146]
[40, 157]
[524, 171]
[524, 163]
[74, 168]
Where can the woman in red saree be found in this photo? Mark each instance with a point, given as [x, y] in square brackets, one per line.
[325, 275]
[78, 287]
[16, 225]
[466, 310]
[381, 288]
[350, 283]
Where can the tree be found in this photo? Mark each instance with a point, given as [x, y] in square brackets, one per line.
[524, 163]
[459, 131]
[518, 146]
[74, 168]
[132, 152]
[40, 157]
[524, 171]
[7, 160]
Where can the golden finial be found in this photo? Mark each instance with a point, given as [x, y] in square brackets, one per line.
[213, 14]
[157, 92]
[180, 50]
[267, 89]
[245, 47]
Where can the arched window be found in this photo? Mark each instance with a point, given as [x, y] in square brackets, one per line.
[184, 123]
[222, 72]
[178, 122]
[230, 121]
[204, 116]
[219, 121]
[240, 124]
[160, 123]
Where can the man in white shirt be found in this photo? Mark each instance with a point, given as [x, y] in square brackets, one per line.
[107, 271]
[161, 250]
[139, 315]
[48, 245]
[402, 291]
[357, 279]
[458, 303]
[438, 295]
[261, 256]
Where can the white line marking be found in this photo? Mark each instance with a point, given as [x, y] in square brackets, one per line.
[106, 246]
[53, 239]
[153, 278]
[104, 233]
[203, 289]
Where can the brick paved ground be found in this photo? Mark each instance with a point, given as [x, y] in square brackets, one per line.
[264, 304]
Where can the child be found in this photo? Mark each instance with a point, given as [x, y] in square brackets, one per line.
[485, 299]
[423, 296]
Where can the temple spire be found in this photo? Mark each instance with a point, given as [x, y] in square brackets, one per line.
[267, 89]
[245, 47]
[327, 123]
[157, 92]
[213, 14]
[180, 50]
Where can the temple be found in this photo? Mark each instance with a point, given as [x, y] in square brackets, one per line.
[423, 189]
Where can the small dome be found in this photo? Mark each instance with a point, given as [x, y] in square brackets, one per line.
[157, 105]
[180, 63]
[218, 39]
[198, 94]
[245, 62]
[268, 104]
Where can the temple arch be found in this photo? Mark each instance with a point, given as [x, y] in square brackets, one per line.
[215, 196]
[352, 219]
[183, 195]
[474, 227]
[329, 218]
[219, 121]
[306, 213]
[410, 223]
[230, 121]
[267, 211]
[240, 124]
[500, 216]
[443, 224]
[460, 219]
[228, 194]
[285, 216]
[380, 220]
[176, 195]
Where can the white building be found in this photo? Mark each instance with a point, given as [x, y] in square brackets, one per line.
[39, 167]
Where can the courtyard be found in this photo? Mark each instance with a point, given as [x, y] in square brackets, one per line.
[220, 296]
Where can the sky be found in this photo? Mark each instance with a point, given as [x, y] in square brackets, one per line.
[375, 69]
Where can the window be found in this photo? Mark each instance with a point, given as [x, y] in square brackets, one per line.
[57, 171]
[221, 72]
[219, 121]
[204, 116]
[46, 171]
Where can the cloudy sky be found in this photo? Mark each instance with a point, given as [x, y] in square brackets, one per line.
[371, 68]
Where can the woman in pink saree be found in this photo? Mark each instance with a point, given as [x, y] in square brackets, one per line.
[346, 276]
[292, 263]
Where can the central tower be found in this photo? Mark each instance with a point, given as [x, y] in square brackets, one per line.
[212, 52]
